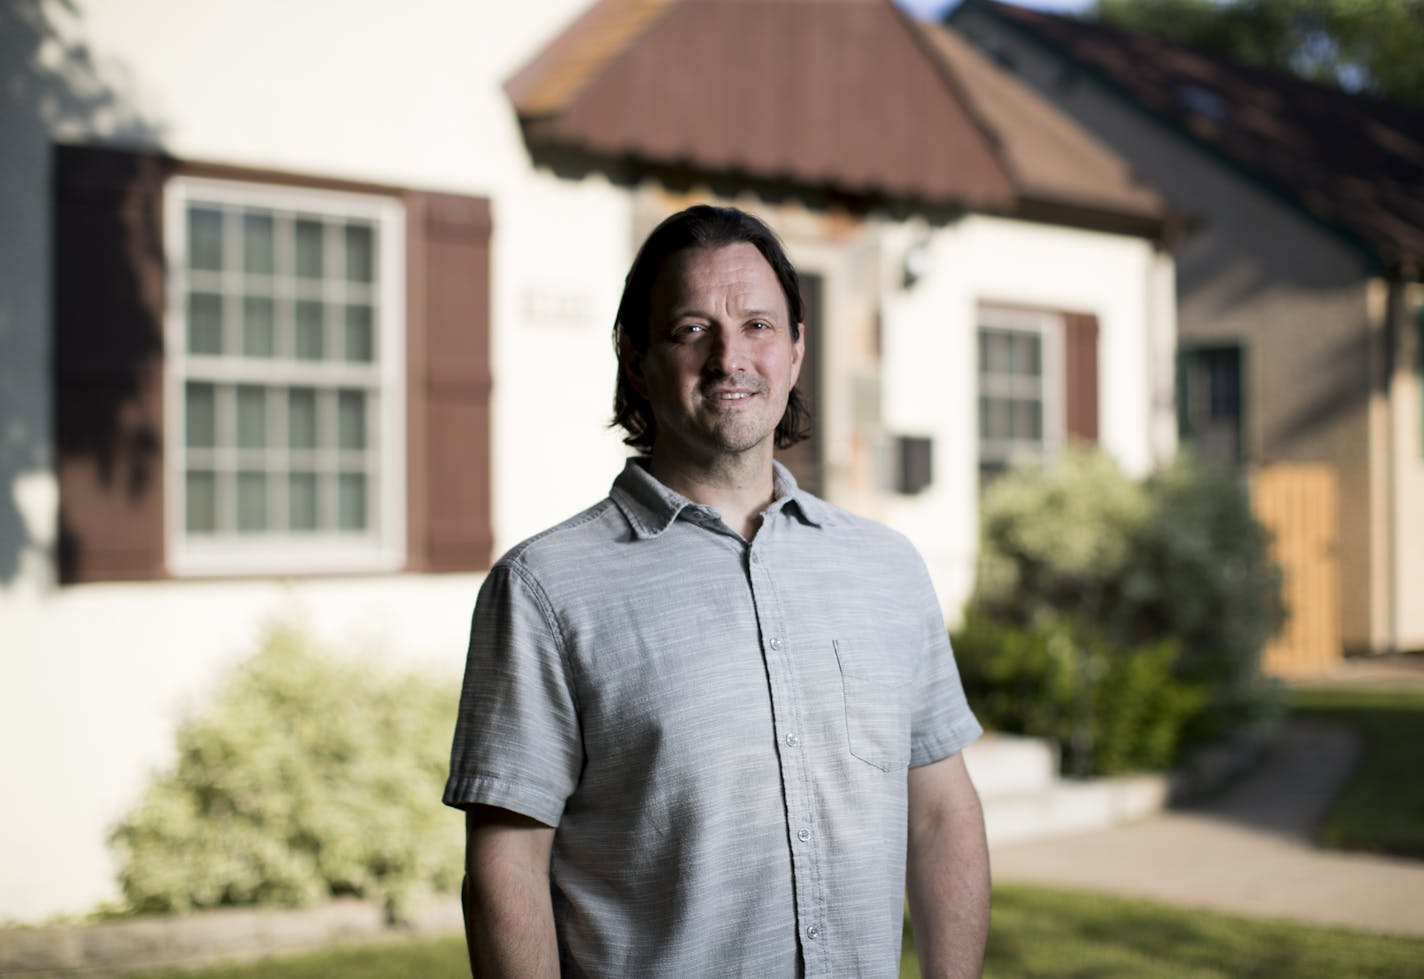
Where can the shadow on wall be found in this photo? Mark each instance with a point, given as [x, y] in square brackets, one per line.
[51, 87]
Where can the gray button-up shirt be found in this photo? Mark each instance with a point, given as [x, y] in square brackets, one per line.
[719, 730]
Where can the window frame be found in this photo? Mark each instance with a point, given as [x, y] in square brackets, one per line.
[1052, 386]
[384, 547]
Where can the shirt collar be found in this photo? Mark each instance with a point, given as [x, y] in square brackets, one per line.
[651, 507]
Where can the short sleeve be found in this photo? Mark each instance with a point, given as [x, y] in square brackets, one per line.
[517, 743]
[943, 723]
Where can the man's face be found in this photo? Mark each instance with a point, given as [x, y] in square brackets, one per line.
[720, 362]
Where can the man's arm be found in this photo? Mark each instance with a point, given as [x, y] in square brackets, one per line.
[509, 918]
[947, 870]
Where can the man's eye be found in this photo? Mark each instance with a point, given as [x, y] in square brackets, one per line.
[759, 325]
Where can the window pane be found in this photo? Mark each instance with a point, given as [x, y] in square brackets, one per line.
[360, 252]
[309, 249]
[310, 340]
[205, 238]
[251, 502]
[1000, 419]
[301, 501]
[258, 243]
[200, 503]
[205, 326]
[200, 416]
[251, 417]
[1000, 352]
[351, 501]
[259, 331]
[1025, 354]
[359, 335]
[983, 417]
[351, 420]
[301, 418]
[1027, 420]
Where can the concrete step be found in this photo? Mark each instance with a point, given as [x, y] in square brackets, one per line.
[1074, 806]
[1008, 764]
[1025, 798]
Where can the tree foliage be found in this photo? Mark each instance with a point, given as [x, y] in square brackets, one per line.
[1373, 46]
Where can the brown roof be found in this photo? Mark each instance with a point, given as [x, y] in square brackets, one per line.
[848, 95]
[1354, 162]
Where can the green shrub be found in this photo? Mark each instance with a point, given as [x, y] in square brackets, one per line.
[1174, 561]
[309, 777]
[1113, 709]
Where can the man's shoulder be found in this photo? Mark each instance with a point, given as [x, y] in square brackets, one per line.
[586, 533]
[851, 525]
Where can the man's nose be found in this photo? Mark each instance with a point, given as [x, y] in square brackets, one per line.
[728, 352]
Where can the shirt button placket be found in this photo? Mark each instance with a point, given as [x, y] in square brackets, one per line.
[798, 811]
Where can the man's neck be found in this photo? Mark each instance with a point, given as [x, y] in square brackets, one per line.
[738, 487]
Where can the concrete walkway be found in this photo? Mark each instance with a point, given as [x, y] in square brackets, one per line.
[1246, 853]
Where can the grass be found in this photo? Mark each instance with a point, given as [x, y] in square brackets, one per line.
[1036, 933]
[430, 958]
[1043, 933]
[1039, 933]
[1381, 808]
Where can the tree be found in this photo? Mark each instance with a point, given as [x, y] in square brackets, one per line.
[1371, 46]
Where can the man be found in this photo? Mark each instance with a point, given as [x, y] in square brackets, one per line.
[703, 720]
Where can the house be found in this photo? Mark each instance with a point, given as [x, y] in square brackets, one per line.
[1301, 317]
[306, 309]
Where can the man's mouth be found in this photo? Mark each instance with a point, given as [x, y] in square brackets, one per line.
[730, 395]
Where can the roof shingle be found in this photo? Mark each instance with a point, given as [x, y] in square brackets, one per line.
[850, 95]
[1354, 162]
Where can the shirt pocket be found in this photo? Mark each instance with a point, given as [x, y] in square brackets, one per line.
[876, 688]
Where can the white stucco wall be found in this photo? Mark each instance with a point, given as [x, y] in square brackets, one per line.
[930, 358]
[93, 678]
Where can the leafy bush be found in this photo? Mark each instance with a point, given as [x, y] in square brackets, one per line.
[309, 777]
[1114, 709]
[1176, 559]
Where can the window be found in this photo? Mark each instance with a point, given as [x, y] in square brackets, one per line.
[266, 373]
[1021, 390]
[1209, 411]
[285, 338]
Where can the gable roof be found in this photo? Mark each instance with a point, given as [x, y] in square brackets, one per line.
[1356, 163]
[850, 96]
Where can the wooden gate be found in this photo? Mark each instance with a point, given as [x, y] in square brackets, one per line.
[1299, 505]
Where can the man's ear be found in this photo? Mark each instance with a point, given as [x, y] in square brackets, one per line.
[799, 346]
[630, 362]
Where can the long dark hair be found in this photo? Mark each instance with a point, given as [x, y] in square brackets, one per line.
[699, 226]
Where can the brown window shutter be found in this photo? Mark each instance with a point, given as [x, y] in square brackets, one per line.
[108, 363]
[1080, 347]
[448, 525]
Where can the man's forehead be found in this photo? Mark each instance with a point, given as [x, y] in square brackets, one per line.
[738, 271]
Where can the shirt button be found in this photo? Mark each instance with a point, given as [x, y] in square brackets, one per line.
[804, 835]
[792, 741]
[776, 644]
[755, 559]
[813, 933]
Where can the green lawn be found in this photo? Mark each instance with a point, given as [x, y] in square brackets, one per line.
[1036, 933]
[1044, 933]
[1381, 808]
